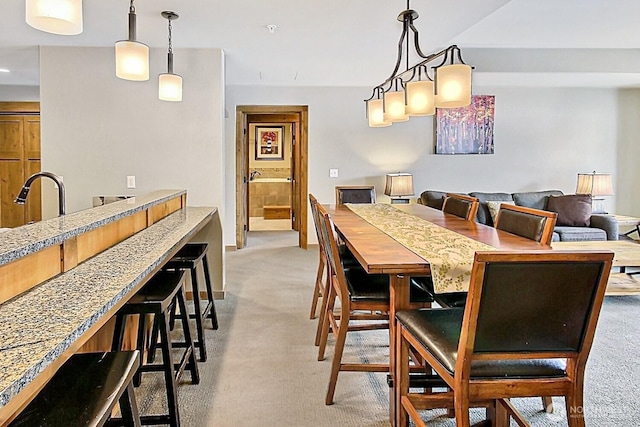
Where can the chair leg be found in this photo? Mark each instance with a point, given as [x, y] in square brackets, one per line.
[207, 281]
[461, 406]
[129, 408]
[169, 377]
[198, 315]
[192, 363]
[142, 323]
[323, 305]
[324, 334]
[575, 407]
[153, 341]
[343, 327]
[547, 404]
[317, 289]
[118, 332]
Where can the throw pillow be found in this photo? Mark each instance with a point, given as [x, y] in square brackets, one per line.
[573, 210]
[494, 207]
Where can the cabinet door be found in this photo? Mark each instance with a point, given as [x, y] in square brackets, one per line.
[11, 137]
[11, 180]
[32, 138]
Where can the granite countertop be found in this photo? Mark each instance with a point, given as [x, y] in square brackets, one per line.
[37, 326]
[21, 241]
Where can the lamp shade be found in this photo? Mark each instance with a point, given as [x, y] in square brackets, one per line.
[420, 98]
[62, 17]
[595, 184]
[132, 60]
[375, 114]
[399, 185]
[170, 87]
[453, 86]
[394, 110]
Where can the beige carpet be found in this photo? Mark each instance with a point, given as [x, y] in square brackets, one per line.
[262, 368]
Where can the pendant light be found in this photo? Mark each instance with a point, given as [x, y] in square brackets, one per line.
[132, 57]
[62, 17]
[169, 84]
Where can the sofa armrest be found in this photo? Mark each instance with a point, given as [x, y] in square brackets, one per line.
[607, 223]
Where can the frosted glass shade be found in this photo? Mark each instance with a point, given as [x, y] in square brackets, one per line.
[132, 60]
[375, 114]
[170, 87]
[420, 98]
[394, 110]
[453, 86]
[62, 17]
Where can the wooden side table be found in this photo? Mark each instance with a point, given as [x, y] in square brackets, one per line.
[629, 221]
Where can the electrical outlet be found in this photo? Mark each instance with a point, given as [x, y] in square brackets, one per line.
[333, 173]
[131, 181]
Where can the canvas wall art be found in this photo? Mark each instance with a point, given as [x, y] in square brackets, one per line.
[466, 130]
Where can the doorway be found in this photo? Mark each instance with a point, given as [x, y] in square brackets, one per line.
[264, 159]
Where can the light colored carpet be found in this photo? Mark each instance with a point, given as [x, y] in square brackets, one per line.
[262, 368]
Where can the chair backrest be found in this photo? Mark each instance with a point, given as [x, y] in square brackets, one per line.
[461, 205]
[533, 305]
[313, 202]
[533, 224]
[329, 239]
[355, 194]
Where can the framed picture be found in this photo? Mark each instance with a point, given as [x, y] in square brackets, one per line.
[269, 143]
[466, 130]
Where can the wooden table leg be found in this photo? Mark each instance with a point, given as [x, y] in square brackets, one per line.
[399, 293]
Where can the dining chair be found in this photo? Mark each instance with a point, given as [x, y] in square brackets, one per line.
[461, 205]
[355, 194]
[361, 297]
[526, 331]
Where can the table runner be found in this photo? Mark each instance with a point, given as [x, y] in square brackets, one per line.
[450, 254]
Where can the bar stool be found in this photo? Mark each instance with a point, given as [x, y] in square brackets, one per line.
[84, 392]
[157, 298]
[188, 258]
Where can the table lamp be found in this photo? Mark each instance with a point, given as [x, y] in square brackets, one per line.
[595, 185]
[398, 185]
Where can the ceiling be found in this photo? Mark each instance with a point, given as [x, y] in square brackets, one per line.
[583, 43]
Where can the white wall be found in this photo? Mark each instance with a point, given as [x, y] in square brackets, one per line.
[97, 128]
[19, 93]
[543, 138]
[628, 153]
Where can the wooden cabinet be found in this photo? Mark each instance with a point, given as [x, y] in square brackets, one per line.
[19, 159]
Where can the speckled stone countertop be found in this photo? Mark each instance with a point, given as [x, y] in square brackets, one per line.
[21, 241]
[37, 326]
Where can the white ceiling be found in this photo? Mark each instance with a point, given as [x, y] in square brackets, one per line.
[592, 43]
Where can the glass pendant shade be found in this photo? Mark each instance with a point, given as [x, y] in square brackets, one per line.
[170, 87]
[132, 60]
[420, 98]
[394, 110]
[62, 17]
[375, 114]
[453, 86]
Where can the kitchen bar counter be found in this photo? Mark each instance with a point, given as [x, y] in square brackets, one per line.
[19, 242]
[43, 327]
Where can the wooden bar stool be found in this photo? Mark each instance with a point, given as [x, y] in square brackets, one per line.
[157, 297]
[188, 258]
[84, 392]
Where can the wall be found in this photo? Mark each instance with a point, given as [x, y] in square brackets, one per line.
[19, 93]
[628, 153]
[543, 138]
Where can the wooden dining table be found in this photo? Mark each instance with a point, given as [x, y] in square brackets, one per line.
[379, 253]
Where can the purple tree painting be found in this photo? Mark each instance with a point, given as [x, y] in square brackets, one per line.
[466, 130]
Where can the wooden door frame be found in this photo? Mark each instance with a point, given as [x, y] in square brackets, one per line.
[300, 159]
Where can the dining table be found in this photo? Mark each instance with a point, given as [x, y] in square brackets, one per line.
[382, 249]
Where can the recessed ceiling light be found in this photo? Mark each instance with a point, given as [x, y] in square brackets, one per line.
[272, 28]
[3, 70]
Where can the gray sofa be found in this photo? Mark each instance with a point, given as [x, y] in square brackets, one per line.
[601, 226]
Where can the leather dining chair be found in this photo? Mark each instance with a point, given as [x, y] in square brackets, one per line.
[461, 205]
[526, 331]
[355, 194]
[361, 296]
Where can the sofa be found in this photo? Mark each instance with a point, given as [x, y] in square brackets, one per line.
[575, 220]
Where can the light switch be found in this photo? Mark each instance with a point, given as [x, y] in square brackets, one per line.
[131, 181]
[333, 173]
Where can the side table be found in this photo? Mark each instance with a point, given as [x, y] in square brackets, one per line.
[629, 221]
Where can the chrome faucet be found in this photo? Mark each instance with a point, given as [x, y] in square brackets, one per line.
[22, 197]
[253, 174]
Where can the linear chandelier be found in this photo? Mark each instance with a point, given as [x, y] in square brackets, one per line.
[412, 92]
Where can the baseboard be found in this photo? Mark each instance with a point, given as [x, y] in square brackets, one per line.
[203, 295]
[230, 248]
